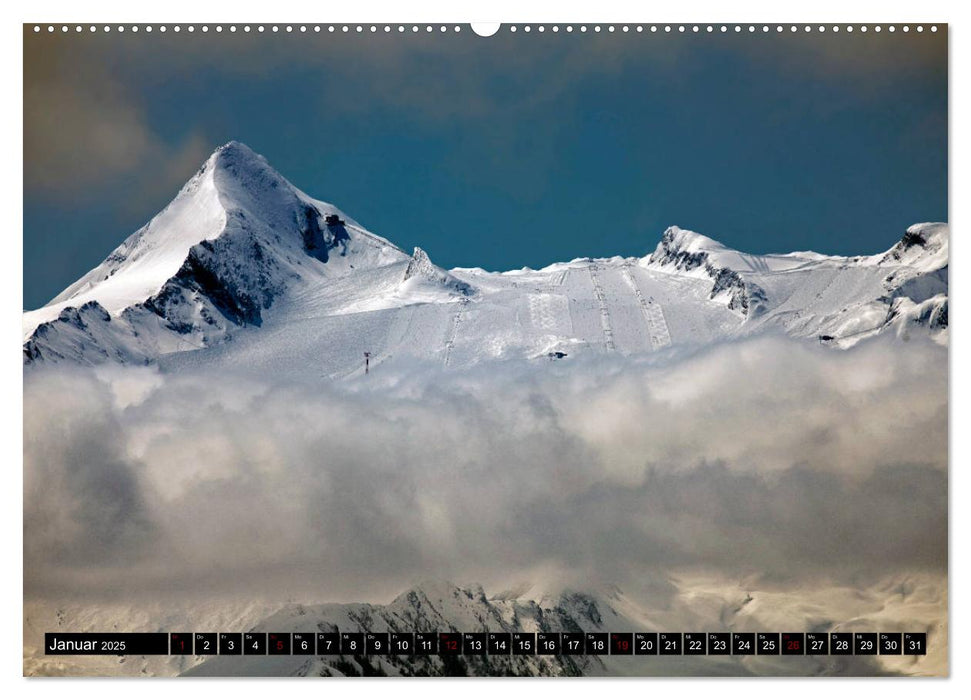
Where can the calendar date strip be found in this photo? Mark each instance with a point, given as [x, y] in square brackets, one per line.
[486, 643]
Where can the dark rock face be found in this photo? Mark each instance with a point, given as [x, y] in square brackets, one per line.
[744, 297]
[317, 241]
[206, 277]
[74, 328]
[912, 238]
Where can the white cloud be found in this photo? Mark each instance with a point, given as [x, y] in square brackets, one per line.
[769, 458]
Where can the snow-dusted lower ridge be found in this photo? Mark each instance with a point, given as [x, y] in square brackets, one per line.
[681, 604]
[244, 269]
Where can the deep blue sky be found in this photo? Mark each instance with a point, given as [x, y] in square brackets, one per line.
[502, 152]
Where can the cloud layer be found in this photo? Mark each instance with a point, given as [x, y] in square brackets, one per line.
[768, 458]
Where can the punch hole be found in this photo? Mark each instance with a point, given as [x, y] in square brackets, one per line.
[485, 28]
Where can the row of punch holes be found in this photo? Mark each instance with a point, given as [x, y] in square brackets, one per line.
[414, 28]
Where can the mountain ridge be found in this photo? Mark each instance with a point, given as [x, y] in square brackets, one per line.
[240, 242]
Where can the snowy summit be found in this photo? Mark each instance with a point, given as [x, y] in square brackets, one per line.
[244, 269]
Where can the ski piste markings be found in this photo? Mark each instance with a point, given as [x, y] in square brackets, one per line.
[395, 337]
[806, 312]
[541, 311]
[653, 315]
[556, 281]
[453, 329]
[756, 263]
[598, 292]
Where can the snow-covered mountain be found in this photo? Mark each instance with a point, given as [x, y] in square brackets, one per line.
[440, 606]
[244, 269]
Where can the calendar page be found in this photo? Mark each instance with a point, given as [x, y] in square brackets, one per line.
[518, 349]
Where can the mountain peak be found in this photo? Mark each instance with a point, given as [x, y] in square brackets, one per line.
[689, 252]
[237, 237]
[235, 154]
[422, 271]
[684, 249]
[240, 174]
[923, 245]
[677, 239]
[235, 146]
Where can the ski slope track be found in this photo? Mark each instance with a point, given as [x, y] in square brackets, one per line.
[244, 270]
